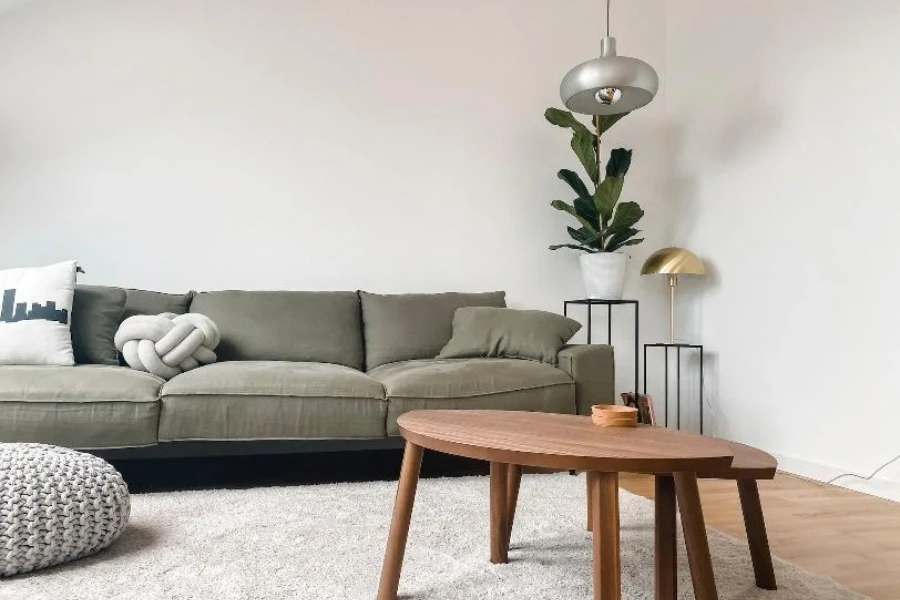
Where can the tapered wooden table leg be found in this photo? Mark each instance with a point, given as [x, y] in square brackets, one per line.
[591, 500]
[499, 523]
[695, 536]
[755, 524]
[666, 557]
[513, 481]
[607, 567]
[403, 507]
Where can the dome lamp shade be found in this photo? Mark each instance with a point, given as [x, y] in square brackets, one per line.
[673, 261]
[609, 84]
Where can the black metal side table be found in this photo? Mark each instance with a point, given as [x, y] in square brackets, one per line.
[591, 303]
[678, 348]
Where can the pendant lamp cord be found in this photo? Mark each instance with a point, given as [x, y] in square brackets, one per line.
[607, 18]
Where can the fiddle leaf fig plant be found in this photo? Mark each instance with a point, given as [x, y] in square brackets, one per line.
[605, 224]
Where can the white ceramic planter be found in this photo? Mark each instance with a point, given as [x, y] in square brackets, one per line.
[604, 274]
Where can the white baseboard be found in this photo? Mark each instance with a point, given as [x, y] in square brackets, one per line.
[877, 486]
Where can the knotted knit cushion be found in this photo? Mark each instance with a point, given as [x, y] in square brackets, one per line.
[56, 505]
[167, 344]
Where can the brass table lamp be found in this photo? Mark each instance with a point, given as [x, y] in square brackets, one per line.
[673, 262]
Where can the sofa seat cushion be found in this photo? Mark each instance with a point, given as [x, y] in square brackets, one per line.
[474, 383]
[86, 406]
[268, 400]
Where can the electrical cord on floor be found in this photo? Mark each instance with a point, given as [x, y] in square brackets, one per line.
[869, 478]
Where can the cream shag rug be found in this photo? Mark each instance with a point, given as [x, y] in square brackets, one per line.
[327, 542]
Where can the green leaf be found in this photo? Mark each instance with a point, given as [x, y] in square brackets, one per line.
[583, 146]
[560, 205]
[634, 242]
[620, 233]
[574, 181]
[603, 122]
[583, 236]
[585, 208]
[563, 118]
[573, 247]
[627, 214]
[606, 197]
[614, 237]
[586, 225]
[619, 162]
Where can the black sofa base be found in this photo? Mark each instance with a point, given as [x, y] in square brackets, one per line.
[196, 449]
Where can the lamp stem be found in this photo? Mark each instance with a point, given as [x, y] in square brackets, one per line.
[596, 120]
[607, 18]
[673, 281]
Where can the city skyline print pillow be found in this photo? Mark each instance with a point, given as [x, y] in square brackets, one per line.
[35, 314]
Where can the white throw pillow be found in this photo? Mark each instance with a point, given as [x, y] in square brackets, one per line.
[35, 313]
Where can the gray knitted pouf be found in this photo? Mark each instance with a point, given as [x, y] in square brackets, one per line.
[56, 505]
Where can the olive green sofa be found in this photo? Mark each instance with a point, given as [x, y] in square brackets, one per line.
[297, 371]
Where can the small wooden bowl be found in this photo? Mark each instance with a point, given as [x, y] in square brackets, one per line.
[613, 415]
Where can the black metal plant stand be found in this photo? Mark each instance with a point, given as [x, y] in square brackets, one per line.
[678, 348]
[591, 303]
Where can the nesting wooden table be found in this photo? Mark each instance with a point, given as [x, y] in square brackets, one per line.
[510, 440]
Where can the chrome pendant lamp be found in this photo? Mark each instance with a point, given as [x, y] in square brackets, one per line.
[610, 84]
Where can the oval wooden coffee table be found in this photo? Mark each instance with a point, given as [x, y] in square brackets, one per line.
[510, 439]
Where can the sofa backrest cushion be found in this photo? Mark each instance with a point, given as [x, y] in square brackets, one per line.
[96, 314]
[293, 326]
[142, 302]
[410, 326]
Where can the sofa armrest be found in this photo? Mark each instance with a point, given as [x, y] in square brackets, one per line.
[592, 366]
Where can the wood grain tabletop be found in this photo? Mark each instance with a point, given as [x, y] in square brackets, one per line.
[563, 442]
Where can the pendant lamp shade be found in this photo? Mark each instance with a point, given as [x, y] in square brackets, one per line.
[609, 85]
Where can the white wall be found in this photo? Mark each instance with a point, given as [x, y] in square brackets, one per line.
[392, 146]
[786, 141]
[399, 146]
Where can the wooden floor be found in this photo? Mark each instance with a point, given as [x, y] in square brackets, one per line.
[848, 536]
